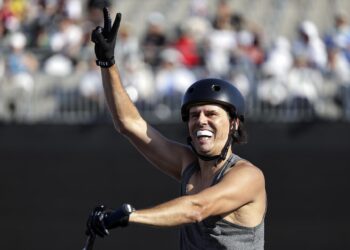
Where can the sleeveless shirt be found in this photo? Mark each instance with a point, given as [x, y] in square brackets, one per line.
[215, 232]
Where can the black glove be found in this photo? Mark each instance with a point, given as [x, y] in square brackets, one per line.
[105, 38]
[101, 220]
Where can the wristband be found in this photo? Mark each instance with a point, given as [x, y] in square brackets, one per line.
[105, 63]
[119, 217]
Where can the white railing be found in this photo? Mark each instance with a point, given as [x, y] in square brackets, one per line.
[50, 101]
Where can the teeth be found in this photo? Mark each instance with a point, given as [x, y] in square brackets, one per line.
[206, 133]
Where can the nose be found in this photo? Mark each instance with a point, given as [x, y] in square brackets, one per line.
[202, 119]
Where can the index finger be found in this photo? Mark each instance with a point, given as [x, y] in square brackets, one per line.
[107, 19]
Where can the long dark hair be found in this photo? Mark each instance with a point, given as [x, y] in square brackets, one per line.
[240, 136]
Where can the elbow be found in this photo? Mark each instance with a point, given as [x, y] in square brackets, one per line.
[130, 126]
[118, 126]
[122, 128]
[197, 213]
[196, 217]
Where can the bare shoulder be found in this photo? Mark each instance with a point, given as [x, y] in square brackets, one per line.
[248, 166]
[245, 171]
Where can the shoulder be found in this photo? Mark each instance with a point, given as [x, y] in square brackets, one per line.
[245, 165]
[246, 172]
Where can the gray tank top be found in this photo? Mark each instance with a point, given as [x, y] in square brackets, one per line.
[215, 232]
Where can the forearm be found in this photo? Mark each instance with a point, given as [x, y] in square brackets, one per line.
[176, 212]
[119, 103]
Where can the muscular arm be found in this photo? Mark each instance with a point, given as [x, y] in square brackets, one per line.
[167, 155]
[241, 186]
[121, 107]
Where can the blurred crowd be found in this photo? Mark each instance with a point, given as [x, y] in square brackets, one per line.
[52, 38]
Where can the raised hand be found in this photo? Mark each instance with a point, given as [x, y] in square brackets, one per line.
[105, 39]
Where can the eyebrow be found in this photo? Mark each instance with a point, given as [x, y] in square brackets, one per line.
[194, 112]
[210, 111]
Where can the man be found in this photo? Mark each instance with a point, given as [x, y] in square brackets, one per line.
[223, 200]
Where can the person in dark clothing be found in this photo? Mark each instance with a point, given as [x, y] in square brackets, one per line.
[223, 201]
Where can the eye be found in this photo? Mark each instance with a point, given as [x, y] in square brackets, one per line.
[194, 115]
[211, 113]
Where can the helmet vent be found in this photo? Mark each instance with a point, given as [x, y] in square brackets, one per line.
[190, 90]
[215, 88]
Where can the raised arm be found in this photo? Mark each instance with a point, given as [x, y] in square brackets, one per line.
[165, 154]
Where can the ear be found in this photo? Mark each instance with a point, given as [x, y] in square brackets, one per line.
[237, 123]
[234, 124]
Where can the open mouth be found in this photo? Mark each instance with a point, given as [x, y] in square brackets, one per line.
[204, 134]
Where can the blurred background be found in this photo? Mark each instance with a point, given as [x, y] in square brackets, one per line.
[59, 153]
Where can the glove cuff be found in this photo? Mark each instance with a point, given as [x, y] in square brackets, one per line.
[127, 209]
[105, 63]
[119, 217]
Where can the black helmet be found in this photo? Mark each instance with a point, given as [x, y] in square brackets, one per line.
[214, 91]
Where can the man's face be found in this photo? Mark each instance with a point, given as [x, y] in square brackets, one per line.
[208, 126]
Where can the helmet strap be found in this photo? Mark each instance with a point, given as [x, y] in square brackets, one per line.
[226, 147]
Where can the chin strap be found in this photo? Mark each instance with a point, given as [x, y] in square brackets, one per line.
[219, 157]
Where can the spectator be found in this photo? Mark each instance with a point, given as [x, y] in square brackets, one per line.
[338, 71]
[67, 39]
[58, 65]
[197, 29]
[90, 85]
[279, 59]
[94, 10]
[187, 46]
[339, 35]
[221, 44]
[139, 81]
[309, 46]
[172, 78]
[338, 67]
[154, 39]
[9, 19]
[272, 88]
[304, 84]
[20, 68]
[250, 46]
[20, 61]
[223, 16]
[127, 45]
[241, 81]
[39, 24]
[59, 35]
